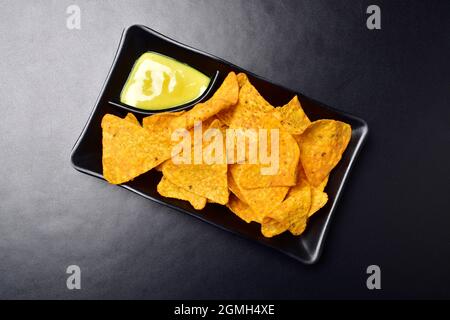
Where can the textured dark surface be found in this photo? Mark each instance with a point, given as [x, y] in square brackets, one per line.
[394, 211]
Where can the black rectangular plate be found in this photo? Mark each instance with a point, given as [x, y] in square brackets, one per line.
[87, 152]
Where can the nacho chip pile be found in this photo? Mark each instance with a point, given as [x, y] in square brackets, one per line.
[280, 201]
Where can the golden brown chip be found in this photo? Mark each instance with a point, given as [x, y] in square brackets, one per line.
[214, 123]
[262, 200]
[242, 79]
[271, 227]
[160, 124]
[253, 112]
[160, 166]
[234, 187]
[318, 197]
[241, 209]
[207, 180]
[168, 189]
[228, 91]
[321, 148]
[209, 123]
[160, 121]
[292, 213]
[129, 150]
[298, 203]
[225, 97]
[292, 117]
[297, 138]
[132, 118]
[250, 107]
[284, 173]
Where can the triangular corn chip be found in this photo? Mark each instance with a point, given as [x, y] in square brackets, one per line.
[129, 150]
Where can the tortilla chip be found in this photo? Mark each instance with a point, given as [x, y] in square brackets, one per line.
[214, 122]
[271, 227]
[228, 91]
[292, 117]
[318, 197]
[242, 79]
[249, 109]
[253, 112]
[129, 150]
[253, 175]
[160, 166]
[262, 200]
[168, 189]
[321, 148]
[209, 181]
[206, 180]
[298, 203]
[160, 124]
[225, 97]
[154, 122]
[132, 118]
[234, 187]
[241, 209]
[292, 213]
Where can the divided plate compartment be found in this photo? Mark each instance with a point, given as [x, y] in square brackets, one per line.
[87, 153]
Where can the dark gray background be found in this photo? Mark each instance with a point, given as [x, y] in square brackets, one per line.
[394, 211]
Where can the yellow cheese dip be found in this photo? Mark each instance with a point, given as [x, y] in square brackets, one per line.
[159, 82]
